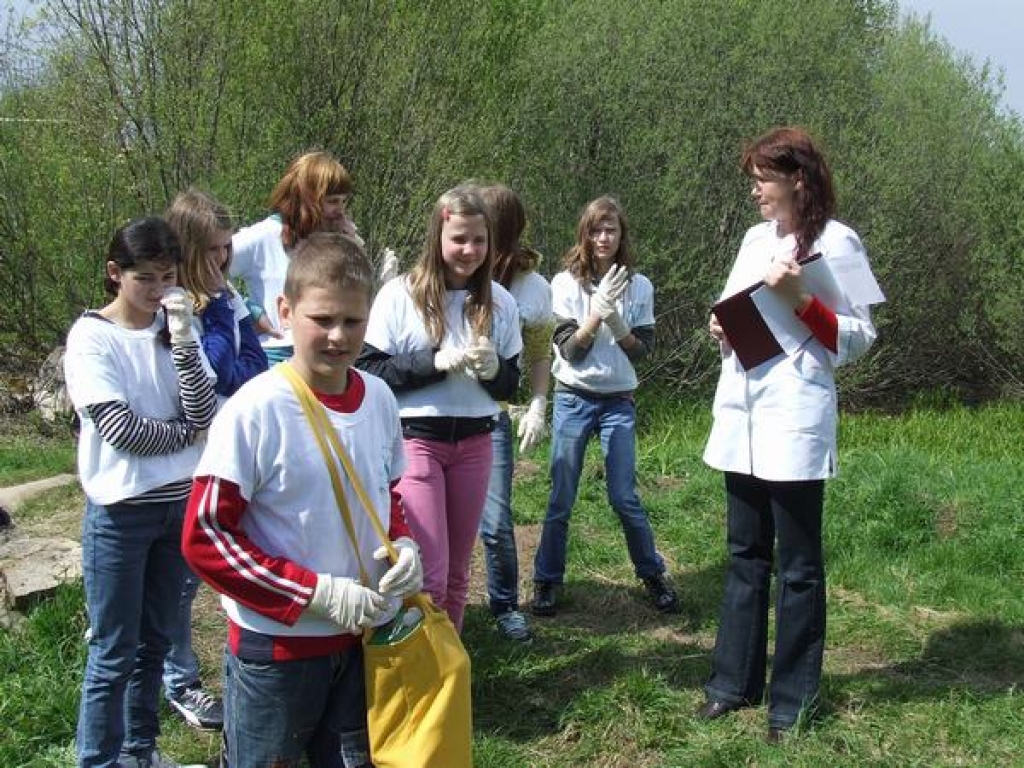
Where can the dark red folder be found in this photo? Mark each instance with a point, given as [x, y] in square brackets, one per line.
[745, 329]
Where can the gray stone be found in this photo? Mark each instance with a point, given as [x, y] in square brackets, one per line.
[34, 567]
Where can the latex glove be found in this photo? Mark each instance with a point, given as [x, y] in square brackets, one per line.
[612, 285]
[178, 306]
[346, 602]
[516, 412]
[620, 328]
[483, 359]
[389, 267]
[450, 359]
[348, 227]
[532, 428]
[405, 577]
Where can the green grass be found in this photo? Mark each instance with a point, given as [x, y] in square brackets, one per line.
[925, 652]
[30, 450]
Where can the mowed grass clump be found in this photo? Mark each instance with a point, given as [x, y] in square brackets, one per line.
[925, 650]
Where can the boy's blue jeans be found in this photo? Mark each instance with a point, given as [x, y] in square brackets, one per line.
[575, 418]
[496, 528]
[278, 711]
[133, 573]
[181, 667]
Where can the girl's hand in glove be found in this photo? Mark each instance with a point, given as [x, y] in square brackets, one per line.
[610, 289]
[389, 267]
[450, 359]
[619, 328]
[483, 359]
[532, 428]
[178, 306]
[405, 577]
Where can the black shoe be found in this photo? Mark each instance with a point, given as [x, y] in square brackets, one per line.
[712, 710]
[545, 599]
[662, 595]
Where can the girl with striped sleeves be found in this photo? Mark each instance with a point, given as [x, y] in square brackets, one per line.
[144, 394]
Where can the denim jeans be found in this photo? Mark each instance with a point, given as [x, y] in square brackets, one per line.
[575, 418]
[759, 512]
[496, 528]
[133, 573]
[181, 667]
[278, 711]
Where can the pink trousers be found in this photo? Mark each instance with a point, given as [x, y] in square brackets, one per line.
[443, 491]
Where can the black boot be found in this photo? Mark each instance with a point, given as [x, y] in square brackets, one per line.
[545, 599]
[662, 594]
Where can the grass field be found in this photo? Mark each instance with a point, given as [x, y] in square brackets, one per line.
[925, 655]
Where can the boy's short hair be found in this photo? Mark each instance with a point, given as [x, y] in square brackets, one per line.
[328, 260]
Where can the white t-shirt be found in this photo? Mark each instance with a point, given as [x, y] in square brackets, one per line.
[395, 327]
[259, 257]
[533, 298]
[605, 368]
[262, 442]
[105, 362]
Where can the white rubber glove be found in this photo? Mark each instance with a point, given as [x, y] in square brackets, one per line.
[405, 577]
[532, 428]
[516, 412]
[346, 602]
[389, 266]
[349, 228]
[178, 306]
[483, 359]
[611, 287]
[450, 359]
[619, 328]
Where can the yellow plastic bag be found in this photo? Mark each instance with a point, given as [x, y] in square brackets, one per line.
[418, 705]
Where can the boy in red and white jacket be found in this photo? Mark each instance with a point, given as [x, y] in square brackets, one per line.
[263, 528]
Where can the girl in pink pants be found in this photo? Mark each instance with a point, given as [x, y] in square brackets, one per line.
[446, 338]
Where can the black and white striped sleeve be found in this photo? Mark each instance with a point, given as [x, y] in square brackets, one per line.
[126, 431]
[198, 398]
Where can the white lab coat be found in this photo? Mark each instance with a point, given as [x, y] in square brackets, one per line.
[777, 421]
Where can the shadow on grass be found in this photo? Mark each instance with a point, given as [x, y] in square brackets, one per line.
[602, 635]
[982, 659]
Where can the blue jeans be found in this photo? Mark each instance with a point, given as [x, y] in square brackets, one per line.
[575, 418]
[759, 514]
[181, 666]
[133, 572]
[496, 528]
[279, 710]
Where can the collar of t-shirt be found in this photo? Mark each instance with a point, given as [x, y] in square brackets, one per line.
[349, 400]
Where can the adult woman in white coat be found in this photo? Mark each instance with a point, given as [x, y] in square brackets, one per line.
[774, 437]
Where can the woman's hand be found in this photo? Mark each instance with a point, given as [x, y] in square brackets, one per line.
[715, 328]
[784, 278]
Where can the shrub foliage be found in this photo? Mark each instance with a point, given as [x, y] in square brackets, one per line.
[120, 103]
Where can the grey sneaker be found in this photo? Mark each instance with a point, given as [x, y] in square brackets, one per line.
[512, 624]
[155, 760]
[198, 708]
